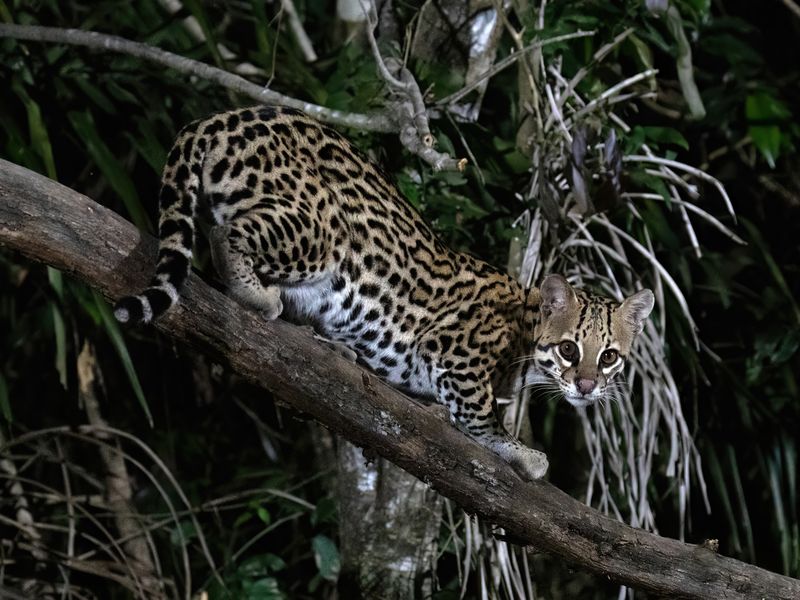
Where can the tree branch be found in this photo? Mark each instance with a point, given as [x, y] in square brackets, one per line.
[410, 112]
[54, 225]
[101, 41]
[404, 119]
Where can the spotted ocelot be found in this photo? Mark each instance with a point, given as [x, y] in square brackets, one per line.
[305, 225]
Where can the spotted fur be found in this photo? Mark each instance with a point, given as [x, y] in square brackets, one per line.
[306, 226]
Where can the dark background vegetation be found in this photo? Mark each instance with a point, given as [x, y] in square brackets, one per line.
[102, 123]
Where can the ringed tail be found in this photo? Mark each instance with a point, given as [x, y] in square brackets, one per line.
[177, 204]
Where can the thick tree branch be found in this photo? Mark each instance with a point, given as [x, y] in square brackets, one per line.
[54, 225]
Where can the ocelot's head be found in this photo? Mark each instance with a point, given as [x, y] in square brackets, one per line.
[583, 340]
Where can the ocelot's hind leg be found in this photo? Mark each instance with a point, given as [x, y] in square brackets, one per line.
[236, 267]
[275, 246]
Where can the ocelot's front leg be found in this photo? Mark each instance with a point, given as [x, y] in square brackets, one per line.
[471, 401]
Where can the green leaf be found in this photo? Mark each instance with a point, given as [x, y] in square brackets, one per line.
[38, 132]
[180, 536]
[111, 327]
[17, 148]
[763, 110]
[711, 462]
[772, 266]
[326, 556]
[768, 142]
[5, 403]
[517, 161]
[117, 176]
[665, 135]
[242, 519]
[59, 329]
[262, 589]
[633, 141]
[261, 565]
[764, 106]
[148, 145]
[264, 515]
[198, 12]
[732, 49]
[654, 184]
[409, 188]
[643, 53]
[324, 512]
[60, 333]
[95, 94]
[120, 93]
[699, 7]
[744, 513]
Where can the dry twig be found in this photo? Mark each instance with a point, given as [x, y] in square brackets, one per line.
[118, 485]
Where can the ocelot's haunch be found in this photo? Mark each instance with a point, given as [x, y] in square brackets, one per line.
[306, 225]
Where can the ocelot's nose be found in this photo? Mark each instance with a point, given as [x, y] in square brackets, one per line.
[585, 386]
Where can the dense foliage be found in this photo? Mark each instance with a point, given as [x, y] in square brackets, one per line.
[102, 124]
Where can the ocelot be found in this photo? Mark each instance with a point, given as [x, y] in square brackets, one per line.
[305, 225]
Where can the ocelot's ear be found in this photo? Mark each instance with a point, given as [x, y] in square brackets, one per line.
[636, 308]
[557, 295]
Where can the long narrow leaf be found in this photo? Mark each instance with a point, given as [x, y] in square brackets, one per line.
[116, 174]
[40, 140]
[5, 403]
[744, 513]
[718, 476]
[59, 329]
[118, 341]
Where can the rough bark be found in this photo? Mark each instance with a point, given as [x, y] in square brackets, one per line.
[389, 530]
[52, 224]
[464, 36]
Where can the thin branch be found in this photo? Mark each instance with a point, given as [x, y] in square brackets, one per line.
[410, 112]
[300, 35]
[691, 170]
[409, 119]
[118, 485]
[792, 6]
[194, 29]
[100, 41]
[507, 62]
[611, 91]
[24, 518]
[50, 223]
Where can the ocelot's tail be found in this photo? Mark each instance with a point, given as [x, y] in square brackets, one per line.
[177, 205]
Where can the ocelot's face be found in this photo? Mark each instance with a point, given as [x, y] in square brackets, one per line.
[585, 339]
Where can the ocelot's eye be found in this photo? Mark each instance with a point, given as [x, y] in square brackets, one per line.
[568, 350]
[609, 357]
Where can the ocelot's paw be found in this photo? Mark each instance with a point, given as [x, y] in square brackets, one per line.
[530, 464]
[269, 303]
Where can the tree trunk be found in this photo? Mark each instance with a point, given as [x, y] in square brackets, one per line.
[389, 529]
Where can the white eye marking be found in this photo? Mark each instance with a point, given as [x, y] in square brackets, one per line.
[568, 351]
[603, 357]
